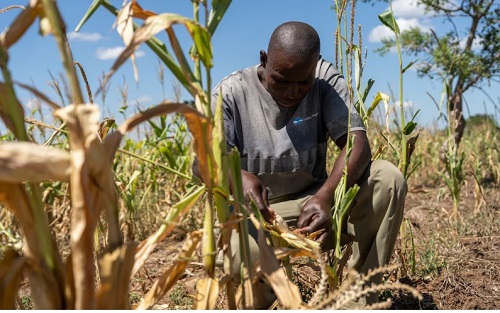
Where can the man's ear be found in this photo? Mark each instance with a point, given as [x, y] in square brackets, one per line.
[263, 58]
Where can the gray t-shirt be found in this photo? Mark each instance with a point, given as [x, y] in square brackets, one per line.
[285, 147]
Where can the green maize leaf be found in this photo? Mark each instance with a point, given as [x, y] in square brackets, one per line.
[208, 240]
[219, 8]
[202, 42]
[387, 18]
[408, 66]
[218, 135]
[380, 97]
[348, 199]
[220, 156]
[246, 270]
[357, 66]
[368, 87]
[181, 56]
[169, 155]
[409, 127]
[90, 11]
[234, 164]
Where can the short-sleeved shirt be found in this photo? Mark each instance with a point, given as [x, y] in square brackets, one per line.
[285, 147]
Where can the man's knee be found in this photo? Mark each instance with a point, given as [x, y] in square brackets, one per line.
[389, 176]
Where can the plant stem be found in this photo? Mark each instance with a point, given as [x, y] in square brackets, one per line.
[57, 27]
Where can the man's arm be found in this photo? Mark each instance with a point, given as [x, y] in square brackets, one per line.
[316, 213]
[358, 162]
[253, 189]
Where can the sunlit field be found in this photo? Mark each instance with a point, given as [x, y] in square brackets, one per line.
[96, 214]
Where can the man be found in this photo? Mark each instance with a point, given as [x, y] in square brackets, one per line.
[279, 115]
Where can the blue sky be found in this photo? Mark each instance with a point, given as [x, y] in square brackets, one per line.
[243, 32]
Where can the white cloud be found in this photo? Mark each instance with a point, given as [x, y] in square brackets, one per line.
[84, 36]
[144, 99]
[477, 43]
[32, 103]
[407, 8]
[380, 32]
[113, 53]
[406, 104]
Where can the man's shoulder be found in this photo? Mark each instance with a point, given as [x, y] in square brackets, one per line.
[325, 69]
[237, 79]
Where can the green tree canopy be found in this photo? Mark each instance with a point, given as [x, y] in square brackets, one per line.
[462, 62]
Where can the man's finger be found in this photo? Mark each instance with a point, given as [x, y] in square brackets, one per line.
[261, 205]
[304, 220]
[304, 230]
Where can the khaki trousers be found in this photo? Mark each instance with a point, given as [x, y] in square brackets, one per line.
[372, 223]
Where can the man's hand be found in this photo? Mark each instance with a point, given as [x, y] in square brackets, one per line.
[315, 216]
[256, 191]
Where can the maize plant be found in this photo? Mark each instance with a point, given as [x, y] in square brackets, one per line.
[77, 282]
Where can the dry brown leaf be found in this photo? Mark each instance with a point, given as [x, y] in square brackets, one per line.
[69, 284]
[207, 293]
[89, 168]
[139, 12]
[11, 267]
[173, 273]
[125, 26]
[22, 22]
[114, 269]
[25, 161]
[15, 198]
[148, 245]
[287, 292]
[152, 26]
[4, 94]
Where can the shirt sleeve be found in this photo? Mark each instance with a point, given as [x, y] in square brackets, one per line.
[227, 113]
[335, 102]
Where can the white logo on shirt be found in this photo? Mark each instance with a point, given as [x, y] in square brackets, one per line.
[300, 120]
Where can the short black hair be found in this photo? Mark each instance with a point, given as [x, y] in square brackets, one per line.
[297, 38]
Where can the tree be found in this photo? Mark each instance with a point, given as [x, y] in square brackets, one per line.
[462, 62]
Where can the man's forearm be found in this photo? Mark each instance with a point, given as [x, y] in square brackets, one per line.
[358, 162]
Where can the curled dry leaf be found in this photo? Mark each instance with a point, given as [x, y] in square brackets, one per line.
[16, 199]
[92, 190]
[139, 12]
[25, 161]
[207, 293]
[22, 22]
[287, 292]
[125, 26]
[114, 269]
[173, 273]
[11, 266]
[156, 23]
[294, 239]
[148, 245]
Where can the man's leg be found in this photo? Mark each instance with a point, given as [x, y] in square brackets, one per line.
[375, 218]
[263, 293]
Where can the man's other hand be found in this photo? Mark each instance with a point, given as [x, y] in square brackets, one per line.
[315, 216]
[256, 191]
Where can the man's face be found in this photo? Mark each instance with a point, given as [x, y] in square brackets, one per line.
[288, 78]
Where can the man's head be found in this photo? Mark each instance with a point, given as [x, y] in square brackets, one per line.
[290, 62]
